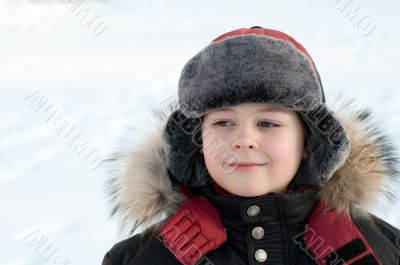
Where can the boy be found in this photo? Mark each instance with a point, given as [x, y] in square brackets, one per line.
[253, 168]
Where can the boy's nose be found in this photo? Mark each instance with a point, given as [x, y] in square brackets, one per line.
[244, 143]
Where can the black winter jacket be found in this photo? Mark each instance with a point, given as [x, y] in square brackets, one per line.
[281, 217]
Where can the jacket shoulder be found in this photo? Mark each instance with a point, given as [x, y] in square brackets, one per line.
[383, 238]
[122, 251]
[139, 249]
[391, 232]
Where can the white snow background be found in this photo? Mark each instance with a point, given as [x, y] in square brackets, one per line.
[106, 83]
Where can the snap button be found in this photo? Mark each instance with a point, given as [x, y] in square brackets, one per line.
[257, 232]
[253, 211]
[261, 255]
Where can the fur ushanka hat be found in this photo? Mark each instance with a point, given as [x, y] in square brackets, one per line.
[253, 65]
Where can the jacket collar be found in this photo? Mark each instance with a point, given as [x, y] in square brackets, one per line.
[281, 219]
[294, 206]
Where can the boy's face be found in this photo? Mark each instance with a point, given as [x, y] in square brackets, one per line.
[270, 136]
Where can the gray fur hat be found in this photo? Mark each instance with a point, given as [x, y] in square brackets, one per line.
[254, 65]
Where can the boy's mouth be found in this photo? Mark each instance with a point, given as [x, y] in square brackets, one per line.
[247, 165]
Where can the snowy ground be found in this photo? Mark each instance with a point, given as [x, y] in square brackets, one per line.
[104, 80]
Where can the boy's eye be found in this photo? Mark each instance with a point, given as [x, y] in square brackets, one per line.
[264, 124]
[267, 124]
[223, 123]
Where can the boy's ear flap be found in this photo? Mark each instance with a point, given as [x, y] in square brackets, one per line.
[182, 142]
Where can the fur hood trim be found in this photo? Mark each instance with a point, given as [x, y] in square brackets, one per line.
[141, 193]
